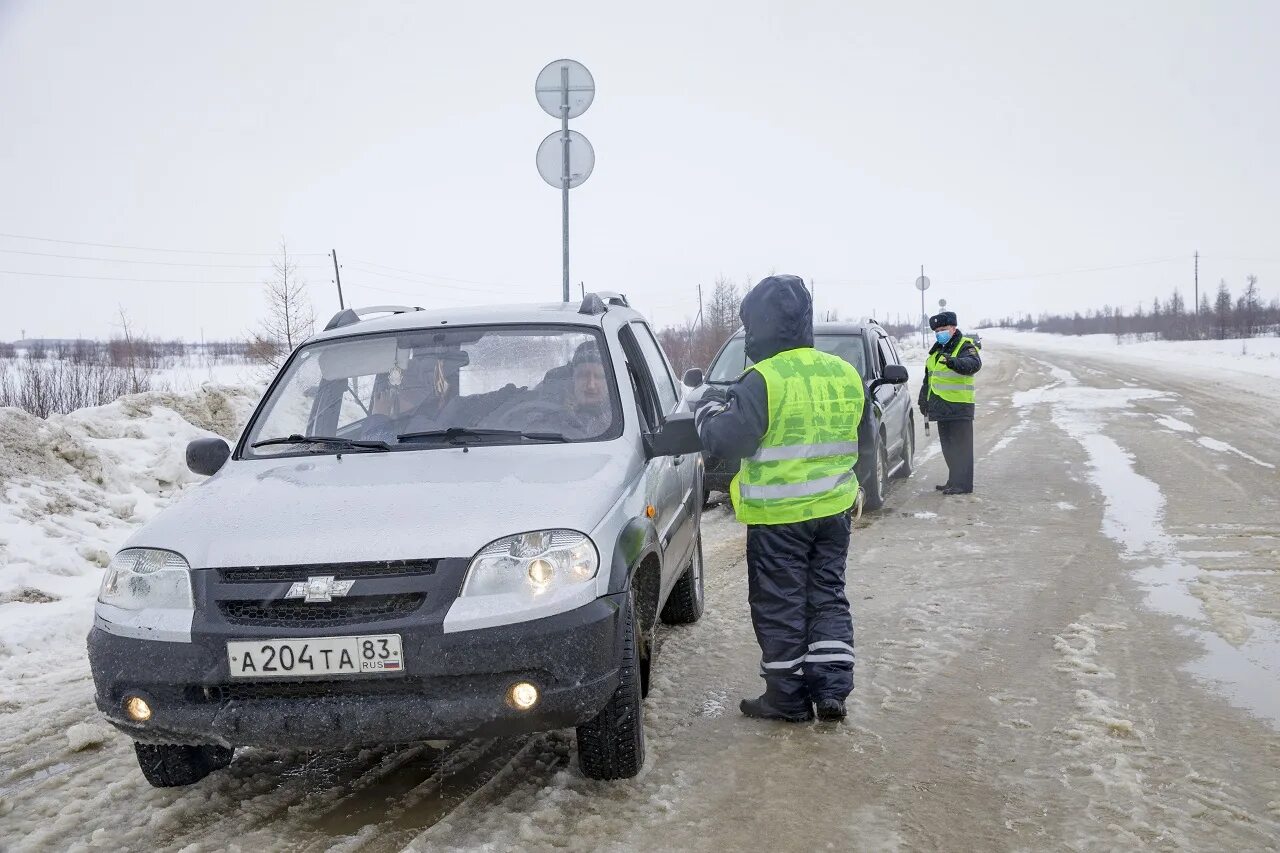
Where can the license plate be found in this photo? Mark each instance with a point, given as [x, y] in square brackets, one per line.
[374, 654]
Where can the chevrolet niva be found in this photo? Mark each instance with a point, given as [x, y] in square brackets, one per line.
[436, 525]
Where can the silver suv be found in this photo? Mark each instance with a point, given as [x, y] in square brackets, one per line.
[437, 524]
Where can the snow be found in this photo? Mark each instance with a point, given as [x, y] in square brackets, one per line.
[1238, 648]
[1223, 447]
[1239, 361]
[74, 488]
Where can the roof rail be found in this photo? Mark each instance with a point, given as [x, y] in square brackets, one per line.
[599, 302]
[612, 298]
[592, 304]
[354, 315]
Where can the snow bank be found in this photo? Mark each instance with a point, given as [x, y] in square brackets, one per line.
[1239, 359]
[72, 489]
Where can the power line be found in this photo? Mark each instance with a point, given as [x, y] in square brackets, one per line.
[1064, 272]
[490, 284]
[358, 265]
[155, 249]
[115, 278]
[151, 263]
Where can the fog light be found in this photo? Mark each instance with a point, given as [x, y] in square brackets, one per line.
[523, 696]
[137, 709]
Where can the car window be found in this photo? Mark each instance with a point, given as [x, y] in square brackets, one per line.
[887, 355]
[659, 371]
[733, 360]
[641, 385]
[512, 379]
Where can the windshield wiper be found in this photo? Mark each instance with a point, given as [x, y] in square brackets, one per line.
[331, 441]
[454, 434]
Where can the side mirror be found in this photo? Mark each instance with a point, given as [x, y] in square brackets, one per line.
[894, 374]
[693, 377]
[678, 436]
[207, 455]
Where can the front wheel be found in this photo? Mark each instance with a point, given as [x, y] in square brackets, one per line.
[169, 765]
[684, 606]
[611, 744]
[877, 485]
[908, 451]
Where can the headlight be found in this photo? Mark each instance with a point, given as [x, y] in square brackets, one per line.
[144, 578]
[533, 563]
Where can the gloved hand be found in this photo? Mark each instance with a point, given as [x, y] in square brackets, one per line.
[944, 359]
[707, 409]
[713, 393]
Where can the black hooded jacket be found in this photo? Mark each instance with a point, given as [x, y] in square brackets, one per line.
[967, 362]
[778, 316]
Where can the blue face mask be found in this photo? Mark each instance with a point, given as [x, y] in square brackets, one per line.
[942, 337]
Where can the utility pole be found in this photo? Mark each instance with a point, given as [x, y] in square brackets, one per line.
[337, 278]
[699, 319]
[583, 287]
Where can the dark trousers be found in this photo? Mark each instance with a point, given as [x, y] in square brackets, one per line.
[795, 580]
[957, 450]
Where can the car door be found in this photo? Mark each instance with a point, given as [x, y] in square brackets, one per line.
[672, 473]
[893, 399]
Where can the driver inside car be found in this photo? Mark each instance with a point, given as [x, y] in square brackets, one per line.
[573, 400]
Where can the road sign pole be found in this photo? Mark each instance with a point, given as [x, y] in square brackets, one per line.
[564, 174]
[564, 90]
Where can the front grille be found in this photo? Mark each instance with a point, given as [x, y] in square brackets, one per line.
[342, 571]
[324, 689]
[302, 614]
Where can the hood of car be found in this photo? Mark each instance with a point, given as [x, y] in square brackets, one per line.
[430, 503]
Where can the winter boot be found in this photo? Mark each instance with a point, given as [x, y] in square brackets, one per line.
[831, 710]
[956, 490]
[762, 709]
[943, 487]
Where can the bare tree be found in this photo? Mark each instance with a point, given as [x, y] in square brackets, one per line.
[1222, 310]
[290, 318]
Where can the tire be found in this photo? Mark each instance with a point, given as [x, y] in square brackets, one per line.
[684, 605]
[611, 745]
[908, 465]
[173, 765]
[877, 485]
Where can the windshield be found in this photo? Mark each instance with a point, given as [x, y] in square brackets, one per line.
[492, 385]
[733, 359]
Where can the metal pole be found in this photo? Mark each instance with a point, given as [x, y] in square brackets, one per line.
[337, 278]
[924, 332]
[564, 172]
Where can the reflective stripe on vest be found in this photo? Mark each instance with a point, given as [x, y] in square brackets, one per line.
[953, 387]
[805, 451]
[804, 467]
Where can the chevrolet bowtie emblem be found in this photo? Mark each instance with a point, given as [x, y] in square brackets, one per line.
[315, 590]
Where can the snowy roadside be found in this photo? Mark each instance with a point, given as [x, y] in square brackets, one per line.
[1239, 362]
[74, 488]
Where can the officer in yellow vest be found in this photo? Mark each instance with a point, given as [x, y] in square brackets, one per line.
[947, 397]
[792, 419]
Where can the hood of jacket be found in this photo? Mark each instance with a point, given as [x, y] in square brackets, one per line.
[778, 316]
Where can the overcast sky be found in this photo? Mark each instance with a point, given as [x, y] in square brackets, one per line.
[1012, 148]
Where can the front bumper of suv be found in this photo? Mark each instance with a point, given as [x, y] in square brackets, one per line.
[454, 684]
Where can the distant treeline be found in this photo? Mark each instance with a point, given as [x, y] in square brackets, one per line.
[1221, 316]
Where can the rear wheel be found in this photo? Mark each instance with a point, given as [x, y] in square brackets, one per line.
[877, 485]
[908, 451]
[172, 765]
[684, 606]
[611, 745]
